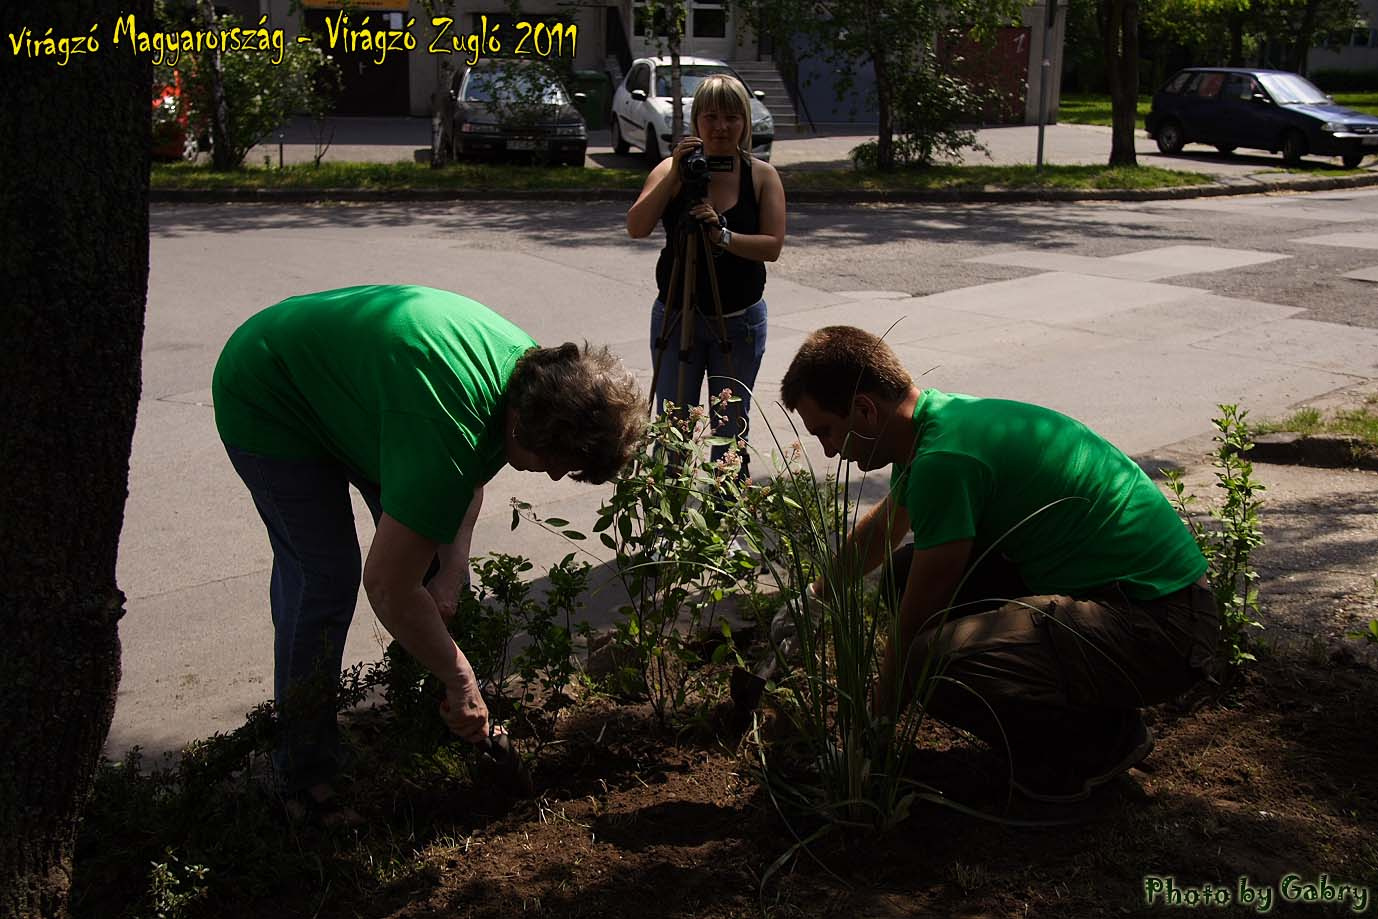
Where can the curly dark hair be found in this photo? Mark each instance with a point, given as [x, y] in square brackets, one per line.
[580, 406]
[839, 362]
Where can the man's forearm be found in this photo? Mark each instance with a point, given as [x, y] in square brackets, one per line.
[869, 543]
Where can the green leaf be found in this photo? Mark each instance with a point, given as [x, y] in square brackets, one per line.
[603, 523]
[556, 522]
[608, 541]
[516, 518]
[574, 534]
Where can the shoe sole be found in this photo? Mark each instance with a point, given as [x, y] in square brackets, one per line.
[1131, 759]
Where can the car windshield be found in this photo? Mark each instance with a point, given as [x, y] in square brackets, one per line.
[1290, 89]
[690, 76]
[508, 86]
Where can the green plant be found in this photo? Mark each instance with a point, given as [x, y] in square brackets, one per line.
[1234, 533]
[932, 106]
[671, 521]
[173, 887]
[1369, 634]
[487, 624]
[852, 772]
[261, 89]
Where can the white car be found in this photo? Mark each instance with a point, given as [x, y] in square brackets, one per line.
[642, 106]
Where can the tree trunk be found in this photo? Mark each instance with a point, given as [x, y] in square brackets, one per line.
[222, 157]
[885, 126]
[1301, 49]
[1119, 21]
[1236, 39]
[74, 150]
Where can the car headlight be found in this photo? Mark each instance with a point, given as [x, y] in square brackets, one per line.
[1332, 127]
[477, 127]
[765, 126]
[571, 130]
[668, 119]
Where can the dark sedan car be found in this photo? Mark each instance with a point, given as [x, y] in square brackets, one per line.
[501, 107]
[1230, 107]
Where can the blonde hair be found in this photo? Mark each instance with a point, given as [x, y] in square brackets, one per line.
[723, 92]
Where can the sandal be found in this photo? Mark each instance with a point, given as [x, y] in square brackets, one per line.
[321, 807]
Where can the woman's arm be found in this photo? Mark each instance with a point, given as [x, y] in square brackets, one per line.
[764, 246]
[660, 189]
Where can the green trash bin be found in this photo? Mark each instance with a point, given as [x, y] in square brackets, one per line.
[597, 90]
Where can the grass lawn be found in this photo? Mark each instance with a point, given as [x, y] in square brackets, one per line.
[407, 176]
[1091, 108]
[1361, 422]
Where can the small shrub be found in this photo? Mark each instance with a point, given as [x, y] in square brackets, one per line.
[674, 522]
[173, 888]
[1233, 534]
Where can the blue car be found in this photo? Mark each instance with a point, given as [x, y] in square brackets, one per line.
[1232, 107]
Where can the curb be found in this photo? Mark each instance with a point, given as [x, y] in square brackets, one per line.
[859, 196]
[1325, 451]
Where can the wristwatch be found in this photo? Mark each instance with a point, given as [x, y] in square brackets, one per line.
[724, 239]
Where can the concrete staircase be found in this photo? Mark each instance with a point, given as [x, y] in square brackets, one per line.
[762, 75]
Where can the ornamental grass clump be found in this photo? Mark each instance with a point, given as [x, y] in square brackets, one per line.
[848, 767]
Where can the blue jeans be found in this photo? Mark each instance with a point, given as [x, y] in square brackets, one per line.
[737, 369]
[306, 509]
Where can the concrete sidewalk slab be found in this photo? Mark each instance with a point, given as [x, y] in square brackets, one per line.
[1364, 274]
[1348, 240]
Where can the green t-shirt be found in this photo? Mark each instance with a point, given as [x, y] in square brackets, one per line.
[402, 384]
[982, 466]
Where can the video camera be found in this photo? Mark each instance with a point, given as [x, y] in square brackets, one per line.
[695, 169]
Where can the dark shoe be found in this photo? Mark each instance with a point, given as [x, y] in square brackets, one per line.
[321, 807]
[1074, 781]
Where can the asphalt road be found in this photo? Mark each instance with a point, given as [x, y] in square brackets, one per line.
[1138, 319]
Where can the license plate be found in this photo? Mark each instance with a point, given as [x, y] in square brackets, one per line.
[521, 144]
[1370, 141]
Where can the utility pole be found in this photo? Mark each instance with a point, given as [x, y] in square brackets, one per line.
[1045, 76]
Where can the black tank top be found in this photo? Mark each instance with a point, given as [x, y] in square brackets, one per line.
[741, 281]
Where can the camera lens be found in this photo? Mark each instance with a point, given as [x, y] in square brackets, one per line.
[694, 166]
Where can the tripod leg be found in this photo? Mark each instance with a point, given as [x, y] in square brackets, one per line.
[724, 341]
[687, 322]
[667, 322]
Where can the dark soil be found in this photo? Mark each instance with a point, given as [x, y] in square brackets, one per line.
[1277, 775]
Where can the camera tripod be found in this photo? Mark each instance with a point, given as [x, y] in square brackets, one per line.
[690, 243]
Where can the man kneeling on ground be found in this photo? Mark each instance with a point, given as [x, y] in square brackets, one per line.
[1048, 574]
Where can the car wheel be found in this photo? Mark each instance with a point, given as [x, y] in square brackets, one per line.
[1293, 147]
[653, 156]
[1352, 160]
[619, 143]
[1225, 149]
[1170, 137]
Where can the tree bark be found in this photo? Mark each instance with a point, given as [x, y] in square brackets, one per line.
[1236, 21]
[1119, 21]
[1301, 48]
[885, 120]
[74, 150]
[222, 157]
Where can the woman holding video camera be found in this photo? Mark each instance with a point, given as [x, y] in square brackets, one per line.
[743, 212]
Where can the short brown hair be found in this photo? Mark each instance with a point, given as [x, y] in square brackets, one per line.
[839, 362]
[579, 406]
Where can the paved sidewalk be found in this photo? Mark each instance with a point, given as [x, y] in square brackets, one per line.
[391, 140]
